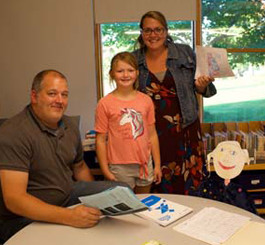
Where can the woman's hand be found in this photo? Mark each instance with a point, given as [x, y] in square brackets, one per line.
[202, 82]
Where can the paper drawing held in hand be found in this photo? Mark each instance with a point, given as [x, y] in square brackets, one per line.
[213, 62]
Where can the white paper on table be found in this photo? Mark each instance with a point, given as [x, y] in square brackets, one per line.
[212, 62]
[212, 225]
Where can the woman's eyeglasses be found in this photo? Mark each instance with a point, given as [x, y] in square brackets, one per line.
[157, 31]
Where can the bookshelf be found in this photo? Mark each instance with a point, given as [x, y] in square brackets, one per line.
[251, 136]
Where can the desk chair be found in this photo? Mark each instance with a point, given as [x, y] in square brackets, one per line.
[76, 120]
[1, 122]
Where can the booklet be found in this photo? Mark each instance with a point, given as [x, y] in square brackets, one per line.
[114, 201]
[163, 211]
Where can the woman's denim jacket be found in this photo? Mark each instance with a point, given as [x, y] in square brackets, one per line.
[181, 62]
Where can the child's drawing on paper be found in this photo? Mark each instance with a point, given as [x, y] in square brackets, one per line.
[213, 66]
[228, 159]
[213, 62]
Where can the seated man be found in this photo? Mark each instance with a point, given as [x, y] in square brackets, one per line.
[41, 163]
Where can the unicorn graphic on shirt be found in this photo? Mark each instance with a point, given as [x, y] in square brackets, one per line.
[135, 119]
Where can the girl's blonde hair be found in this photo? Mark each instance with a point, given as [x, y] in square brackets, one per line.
[128, 58]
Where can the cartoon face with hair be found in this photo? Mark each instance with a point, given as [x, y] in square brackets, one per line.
[228, 159]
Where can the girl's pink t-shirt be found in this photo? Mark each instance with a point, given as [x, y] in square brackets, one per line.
[126, 124]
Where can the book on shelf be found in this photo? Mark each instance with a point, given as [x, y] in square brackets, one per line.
[89, 143]
[163, 211]
[259, 156]
[207, 142]
[219, 136]
[253, 141]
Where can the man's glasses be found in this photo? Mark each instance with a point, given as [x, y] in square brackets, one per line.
[157, 31]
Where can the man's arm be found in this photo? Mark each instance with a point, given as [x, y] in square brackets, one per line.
[82, 172]
[17, 200]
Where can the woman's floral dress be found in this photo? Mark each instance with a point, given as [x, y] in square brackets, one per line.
[181, 149]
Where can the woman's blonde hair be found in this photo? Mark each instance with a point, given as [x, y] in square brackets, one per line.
[128, 58]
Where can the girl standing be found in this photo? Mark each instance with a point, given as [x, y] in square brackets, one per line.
[125, 125]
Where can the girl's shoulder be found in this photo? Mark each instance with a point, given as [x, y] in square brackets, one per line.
[106, 98]
[143, 96]
[105, 102]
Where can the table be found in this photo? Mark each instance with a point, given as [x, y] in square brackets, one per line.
[122, 230]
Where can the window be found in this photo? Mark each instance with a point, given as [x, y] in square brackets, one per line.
[239, 27]
[117, 37]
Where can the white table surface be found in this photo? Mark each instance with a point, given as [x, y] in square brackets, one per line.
[121, 230]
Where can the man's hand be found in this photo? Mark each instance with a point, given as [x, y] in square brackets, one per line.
[84, 217]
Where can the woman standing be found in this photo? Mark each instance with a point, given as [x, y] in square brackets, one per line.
[167, 75]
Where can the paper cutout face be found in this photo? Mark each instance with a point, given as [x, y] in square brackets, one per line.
[228, 159]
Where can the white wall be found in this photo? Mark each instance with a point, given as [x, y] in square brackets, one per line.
[42, 34]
